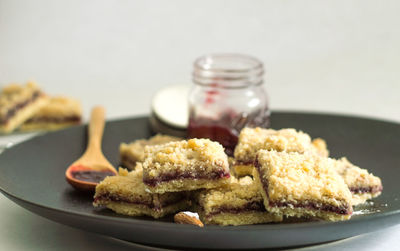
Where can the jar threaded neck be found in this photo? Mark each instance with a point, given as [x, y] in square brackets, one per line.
[228, 71]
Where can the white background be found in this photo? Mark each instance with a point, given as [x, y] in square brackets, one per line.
[332, 56]
[339, 56]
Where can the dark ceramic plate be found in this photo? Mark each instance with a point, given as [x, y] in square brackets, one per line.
[32, 175]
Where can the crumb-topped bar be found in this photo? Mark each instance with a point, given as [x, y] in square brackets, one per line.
[302, 185]
[125, 194]
[185, 165]
[18, 103]
[239, 203]
[134, 152]
[363, 185]
[58, 113]
[251, 140]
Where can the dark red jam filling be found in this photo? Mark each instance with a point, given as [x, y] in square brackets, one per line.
[18, 107]
[313, 206]
[91, 176]
[66, 119]
[345, 210]
[227, 137]
[251, 206]
[185, 175]
[371, 189]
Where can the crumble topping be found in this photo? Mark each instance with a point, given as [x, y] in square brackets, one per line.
[253, 139]
[135, 151]
[320, 147]
[194, 155]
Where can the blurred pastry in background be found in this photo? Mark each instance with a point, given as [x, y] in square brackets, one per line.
[18, 103]
[58, 113]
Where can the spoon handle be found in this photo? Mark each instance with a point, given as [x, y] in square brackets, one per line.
[96, 127]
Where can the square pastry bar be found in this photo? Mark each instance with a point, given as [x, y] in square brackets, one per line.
[302, 185]
[59, 112]
[362, 184]
[239, 203]
[251, 140]
[125, 194]
[185, 165]
[18, 103]
[134, 152]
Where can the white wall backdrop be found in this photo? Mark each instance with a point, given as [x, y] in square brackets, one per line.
[118, 53]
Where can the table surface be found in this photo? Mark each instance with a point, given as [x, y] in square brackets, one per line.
[330, 56]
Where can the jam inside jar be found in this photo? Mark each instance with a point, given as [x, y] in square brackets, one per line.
[227, 96]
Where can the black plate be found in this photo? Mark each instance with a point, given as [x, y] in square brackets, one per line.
[32, 175]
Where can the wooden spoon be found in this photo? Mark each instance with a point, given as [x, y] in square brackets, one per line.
[86, 172]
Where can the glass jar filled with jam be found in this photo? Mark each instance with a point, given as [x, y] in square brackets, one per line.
[227, 96]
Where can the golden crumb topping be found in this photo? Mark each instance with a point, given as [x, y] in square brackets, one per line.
[356, 177]
[135, 150]
[235, 195]
[298, 177]
[320, 147]
[253, 139]
[60, 107]
[197, 155]
[14, 94]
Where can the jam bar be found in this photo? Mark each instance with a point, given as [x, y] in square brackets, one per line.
[125, 194]
[59, 112]
[185, 165]
[239, 203]
[18, 103]
[302, 185]
[253, 139]
[363, 185]
[134, 152]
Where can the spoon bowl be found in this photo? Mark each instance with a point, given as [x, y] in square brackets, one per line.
[92, 167]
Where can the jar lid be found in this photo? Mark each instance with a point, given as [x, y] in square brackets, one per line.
[170, 106]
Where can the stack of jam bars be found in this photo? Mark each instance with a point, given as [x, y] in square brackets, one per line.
[26, 107]
[275, 175]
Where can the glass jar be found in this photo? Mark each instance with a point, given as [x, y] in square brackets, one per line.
[227, 96]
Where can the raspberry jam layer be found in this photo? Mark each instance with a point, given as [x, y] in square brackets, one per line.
[254, 206]
[371, 189]
[311, 205]
[220, 174]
